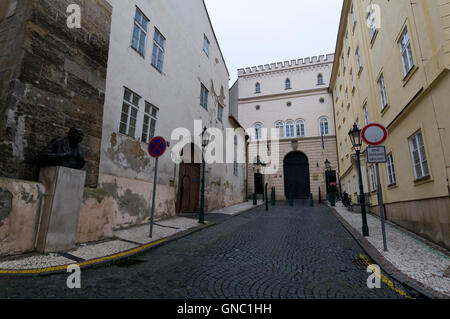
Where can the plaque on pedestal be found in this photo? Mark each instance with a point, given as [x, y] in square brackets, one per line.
[61, 211]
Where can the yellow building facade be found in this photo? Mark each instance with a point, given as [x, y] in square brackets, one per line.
[391, 67]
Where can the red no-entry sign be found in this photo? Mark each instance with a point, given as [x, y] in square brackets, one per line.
[374, 134]
[157, 147]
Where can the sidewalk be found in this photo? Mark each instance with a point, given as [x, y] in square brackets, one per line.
[124, 244]
[421, 263]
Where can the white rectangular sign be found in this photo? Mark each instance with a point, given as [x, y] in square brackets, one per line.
[376, 154]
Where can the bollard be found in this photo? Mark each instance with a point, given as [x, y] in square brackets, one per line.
[266, 197]
[291, 200]
[272, 197]
[332, 199]
[255, 201]
[320, 196]
[311, 200]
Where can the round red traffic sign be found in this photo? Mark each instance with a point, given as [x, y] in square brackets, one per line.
[374, 134]
[157, 147]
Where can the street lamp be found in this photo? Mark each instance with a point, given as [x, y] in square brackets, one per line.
[355, 137]
[328, 165]
[205, 141]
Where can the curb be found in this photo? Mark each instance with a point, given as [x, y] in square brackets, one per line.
[249, 209]
[387, 266]
[105, 260]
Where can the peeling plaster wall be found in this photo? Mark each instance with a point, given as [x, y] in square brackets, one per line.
[19, 214]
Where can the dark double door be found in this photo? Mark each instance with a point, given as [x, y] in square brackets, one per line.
[296, 176]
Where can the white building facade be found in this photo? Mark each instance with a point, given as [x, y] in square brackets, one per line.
[293, 98]
[165, 71]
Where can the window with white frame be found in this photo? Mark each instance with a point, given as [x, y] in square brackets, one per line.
[347, 39]
[280, 129]
[139, 32]
[287, 84]
[366, 114]
[346, 147]
[320, 79]
[391, 170]
[158, 50]
[343, 63]
[130, 109]
[290, 131]
[373, 181]
[204, 97]
[220, 113]
[324, 127]
[372, 23]
[382, 89]
[358, 59]
[353, 16]
[258, 131]
[418, 155]
[258, 88]
[338, 115]
[206, 45]
[353, 79]
[348, 97]
[406, 52]
[149, 125]
[300, 128]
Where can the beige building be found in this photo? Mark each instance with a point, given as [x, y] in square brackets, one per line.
[391, 67]
[291, 98]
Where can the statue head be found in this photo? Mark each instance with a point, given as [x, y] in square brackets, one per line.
[75, 135]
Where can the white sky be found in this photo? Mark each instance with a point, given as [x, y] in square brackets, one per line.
[258, 32]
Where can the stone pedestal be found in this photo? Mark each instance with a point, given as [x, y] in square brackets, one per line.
[61, 211]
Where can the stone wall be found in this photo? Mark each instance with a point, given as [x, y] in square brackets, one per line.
[52, 79]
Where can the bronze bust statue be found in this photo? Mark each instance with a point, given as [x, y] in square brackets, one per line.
[64, 151]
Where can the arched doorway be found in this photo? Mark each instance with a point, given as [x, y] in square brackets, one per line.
[296, 176]
[189, 180]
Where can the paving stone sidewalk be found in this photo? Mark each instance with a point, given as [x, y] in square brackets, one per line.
[123, 241]
[415, 258]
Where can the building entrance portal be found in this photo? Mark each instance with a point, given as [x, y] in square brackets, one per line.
[296, 176]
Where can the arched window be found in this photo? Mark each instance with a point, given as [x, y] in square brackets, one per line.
[324, 127]
[320, 79]
[288, 84]
[258, 131]
[280, 129]
[300, 128]
[258, 88]
[290, 132]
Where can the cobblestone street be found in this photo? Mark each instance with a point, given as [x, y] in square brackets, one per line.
[288, 252]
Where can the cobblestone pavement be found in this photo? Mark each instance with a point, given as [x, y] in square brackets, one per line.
[289, 252]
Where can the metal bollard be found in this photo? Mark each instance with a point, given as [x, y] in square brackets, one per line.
[255, 201]
[272, 197]
[311, 200]
[266, 196]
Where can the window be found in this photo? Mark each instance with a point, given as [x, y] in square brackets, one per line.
[288, 84]
[406, 52]
[280, 129]
[353, 16]
[372, 178]
[349, 187]
[258, 88]
[346, 147]
[338, 115]
[290, 132]
[347, 39]
[353, 79]
[204, 97]
[366, 114]
[324, 129]
[139, 32]
[391, 170]
[348, 97]
[358, 60]
[382, 88]
[130, 108]
[220, 113]
[300, 128]
[158, 51]
[149, 126]
[343, 63]
[258, 131]
[418, 155]
[372, 23]
[206, 45]
[320, 79]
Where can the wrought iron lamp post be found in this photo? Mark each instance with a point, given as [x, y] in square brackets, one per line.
[205, 141]
[355, 137]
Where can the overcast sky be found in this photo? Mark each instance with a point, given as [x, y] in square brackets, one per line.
[258, 32]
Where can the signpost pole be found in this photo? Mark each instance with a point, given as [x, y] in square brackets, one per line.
[153, 198]
[380, 202]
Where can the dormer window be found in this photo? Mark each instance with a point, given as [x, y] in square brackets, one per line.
[288, 84]
[320, 79]
[258, 88]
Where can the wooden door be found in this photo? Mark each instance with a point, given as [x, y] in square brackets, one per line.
[189, 188]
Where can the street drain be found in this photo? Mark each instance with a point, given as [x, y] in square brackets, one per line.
[359, 262]
[130, 262]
